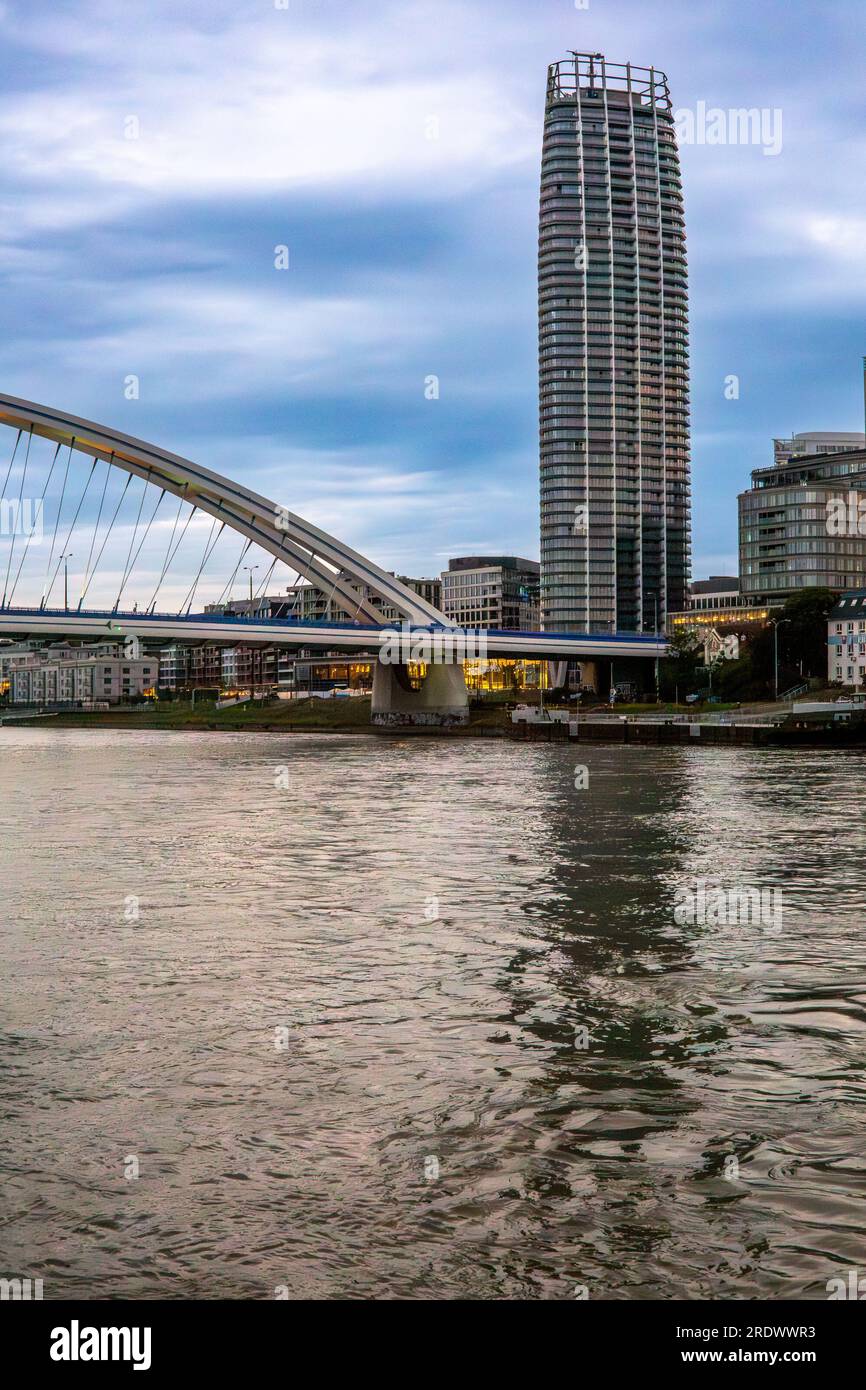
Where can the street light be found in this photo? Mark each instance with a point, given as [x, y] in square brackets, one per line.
[250, 568]
[65, 558]
[655, 598]
[777, 623]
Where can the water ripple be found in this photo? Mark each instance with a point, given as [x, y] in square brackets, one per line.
[340, 1028]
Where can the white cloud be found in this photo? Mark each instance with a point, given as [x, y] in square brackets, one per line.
[256, 105]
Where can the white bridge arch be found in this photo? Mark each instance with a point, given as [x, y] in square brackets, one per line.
[318, 556]
[327, 563]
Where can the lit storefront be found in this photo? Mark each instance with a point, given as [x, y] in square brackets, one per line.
[500, 676]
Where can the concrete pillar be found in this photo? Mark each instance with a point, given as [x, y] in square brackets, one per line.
[557, 674]
[442, 701]
[589, 675]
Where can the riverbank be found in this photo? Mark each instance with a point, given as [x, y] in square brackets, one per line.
[279, 716]
[636, 724]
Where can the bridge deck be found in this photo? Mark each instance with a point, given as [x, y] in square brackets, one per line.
[165, 628]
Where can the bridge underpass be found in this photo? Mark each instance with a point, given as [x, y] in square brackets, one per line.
[96, 496]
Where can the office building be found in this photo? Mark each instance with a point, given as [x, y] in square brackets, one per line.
[802, 524]
[491, 591]
[613, 351]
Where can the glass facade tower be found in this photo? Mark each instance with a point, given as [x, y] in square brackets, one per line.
[613, 352]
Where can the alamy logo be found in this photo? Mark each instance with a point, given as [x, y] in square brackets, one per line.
[20, 1290]
[704, 906]
[76, 1343]
[739, 126]
[434, 647]
[21, 517]
[846, 516]
[854, 1287]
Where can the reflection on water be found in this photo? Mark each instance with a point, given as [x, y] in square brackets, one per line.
[287, 1034]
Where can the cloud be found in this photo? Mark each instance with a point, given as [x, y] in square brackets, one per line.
[395, 148]
[265, 104]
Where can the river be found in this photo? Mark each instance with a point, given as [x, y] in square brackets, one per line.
[341, 1017]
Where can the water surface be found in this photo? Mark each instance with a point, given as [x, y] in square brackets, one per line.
[326, 995]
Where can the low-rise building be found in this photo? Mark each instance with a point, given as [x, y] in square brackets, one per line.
[846, 639]
[718, 603]
[217, 666]
[174, 667]
[62, 673]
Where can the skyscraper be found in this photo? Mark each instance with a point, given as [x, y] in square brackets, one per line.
[613, 351]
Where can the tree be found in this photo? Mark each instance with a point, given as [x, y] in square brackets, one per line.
[683, 670]
[803, 633]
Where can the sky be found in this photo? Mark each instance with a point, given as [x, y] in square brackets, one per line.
[156, 155]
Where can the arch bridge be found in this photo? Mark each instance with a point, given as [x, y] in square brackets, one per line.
[348, 578]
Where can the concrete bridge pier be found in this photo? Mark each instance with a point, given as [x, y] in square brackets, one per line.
[590, 675]
[442, 702]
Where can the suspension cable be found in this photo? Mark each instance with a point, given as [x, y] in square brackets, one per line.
[72, 527]
[11, 461]
[33, 527]
[331, 595]
[226, 593]
[105, 540]
[95, 529]
[56, 525]
[296, 585]
[140, 544]
[267, 579]
[17, 519]
[170, 554]
[207, 553]
[132, 541]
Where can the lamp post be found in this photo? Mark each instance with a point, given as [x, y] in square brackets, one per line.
[656, 626]
[777, 623]
[250, 568]
[655, 599]
[66, 558]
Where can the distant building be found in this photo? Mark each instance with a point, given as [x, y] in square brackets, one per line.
[846, 639]
[498, 591]
[720, 590]
[431, 589]
[205, 667]
[789, 535]
[310, 604]
[282, 665]
[817, 442]
[64, 674]
[174, 667]
[312, 675]
[491, 591]
[215, 666]
[716, 603]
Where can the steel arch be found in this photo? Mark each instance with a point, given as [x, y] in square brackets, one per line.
[284, 534]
